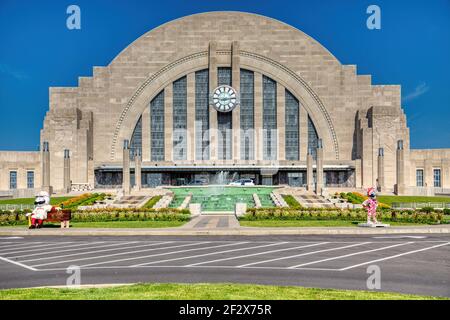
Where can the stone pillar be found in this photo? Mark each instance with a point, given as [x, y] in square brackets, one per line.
[137, 170]
[400, 186]
[319, 167]
[126, 167]
[212, 112]
[281, 122]
[190, 132]
[309, 171]
[67, 183]
[168, 123]
[380, 184]
[46, 168]
[303, 132]
[236, 113]
[146, 135]
[258, 117]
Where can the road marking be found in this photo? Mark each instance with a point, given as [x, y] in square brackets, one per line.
[81, 253]
[255, 254]
[18, 264]
[165, 253]
[400, 237]
[109, 255]
[15, 246]
[51, 248]
[394, 256]
[349, 255]
[302, 254]
[40, 247]
[10, 238]
[208, 254]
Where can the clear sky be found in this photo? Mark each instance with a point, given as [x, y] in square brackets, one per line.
[37, 50]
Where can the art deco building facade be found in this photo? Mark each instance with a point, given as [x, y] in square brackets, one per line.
[226, 92]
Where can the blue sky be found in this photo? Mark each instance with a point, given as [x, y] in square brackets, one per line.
[38, 51]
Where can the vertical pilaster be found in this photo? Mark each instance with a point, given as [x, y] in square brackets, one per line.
[146, 134]
[46, 167]
[400, 187]
[190, 134]
[303, 132]
[126, 167]
[309, 171]
[67, 183]
[212, 111]
[258, 117]
[168, 123]
[236, 84]
[380, 185]
[319, 167]
[281, 121]
[138, 170]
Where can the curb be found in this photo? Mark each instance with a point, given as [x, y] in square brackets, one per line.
[243, 231]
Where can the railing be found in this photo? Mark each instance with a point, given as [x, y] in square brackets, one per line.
[419, 205]
[12, 207]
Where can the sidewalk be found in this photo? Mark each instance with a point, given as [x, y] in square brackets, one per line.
[212, 226]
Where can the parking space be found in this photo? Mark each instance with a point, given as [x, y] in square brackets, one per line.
[336, 256]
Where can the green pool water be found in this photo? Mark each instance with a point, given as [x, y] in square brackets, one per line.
[218, 198]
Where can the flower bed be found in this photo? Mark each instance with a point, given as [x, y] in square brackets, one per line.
[338, 214]
[86, 199]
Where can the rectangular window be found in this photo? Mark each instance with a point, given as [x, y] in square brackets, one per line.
[419, 177]
[202, 115]
[224, 119]
[437, 177]
[269, 119]
[247, 114]
[291, 127]
[157, 127]
[13, 180]
[180, 119]
[30, 179]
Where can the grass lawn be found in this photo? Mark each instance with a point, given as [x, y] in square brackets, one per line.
[389, 199]
[53, 201]
[114, 224]
[202, 292]
[311, 223]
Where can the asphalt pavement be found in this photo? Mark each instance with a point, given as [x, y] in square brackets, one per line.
[418, 264]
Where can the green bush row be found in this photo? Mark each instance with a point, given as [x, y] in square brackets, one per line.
[18, 217]
[336, 214]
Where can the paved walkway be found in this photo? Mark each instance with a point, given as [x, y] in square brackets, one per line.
[212, 222]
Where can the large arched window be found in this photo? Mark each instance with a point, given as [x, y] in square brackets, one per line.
[313, 138]
[291, 127]
[136, 139]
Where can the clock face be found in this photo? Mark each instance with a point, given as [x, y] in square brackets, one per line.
[224, 98]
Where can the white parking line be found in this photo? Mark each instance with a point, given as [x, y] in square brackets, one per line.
[302, 254]
[81, 253]
[165, 253]
[394, 256]
[349, 255]
[208, 254]
[20, 245]
[51, 247]
[254, 254]
[112, 255]
[18, 264]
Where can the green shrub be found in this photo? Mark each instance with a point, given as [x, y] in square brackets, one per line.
[446, 211]
[427, 209]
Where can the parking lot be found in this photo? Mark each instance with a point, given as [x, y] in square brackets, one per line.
[282, 258]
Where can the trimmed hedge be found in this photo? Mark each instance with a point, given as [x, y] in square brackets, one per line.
[337, 214]
[8, 218]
